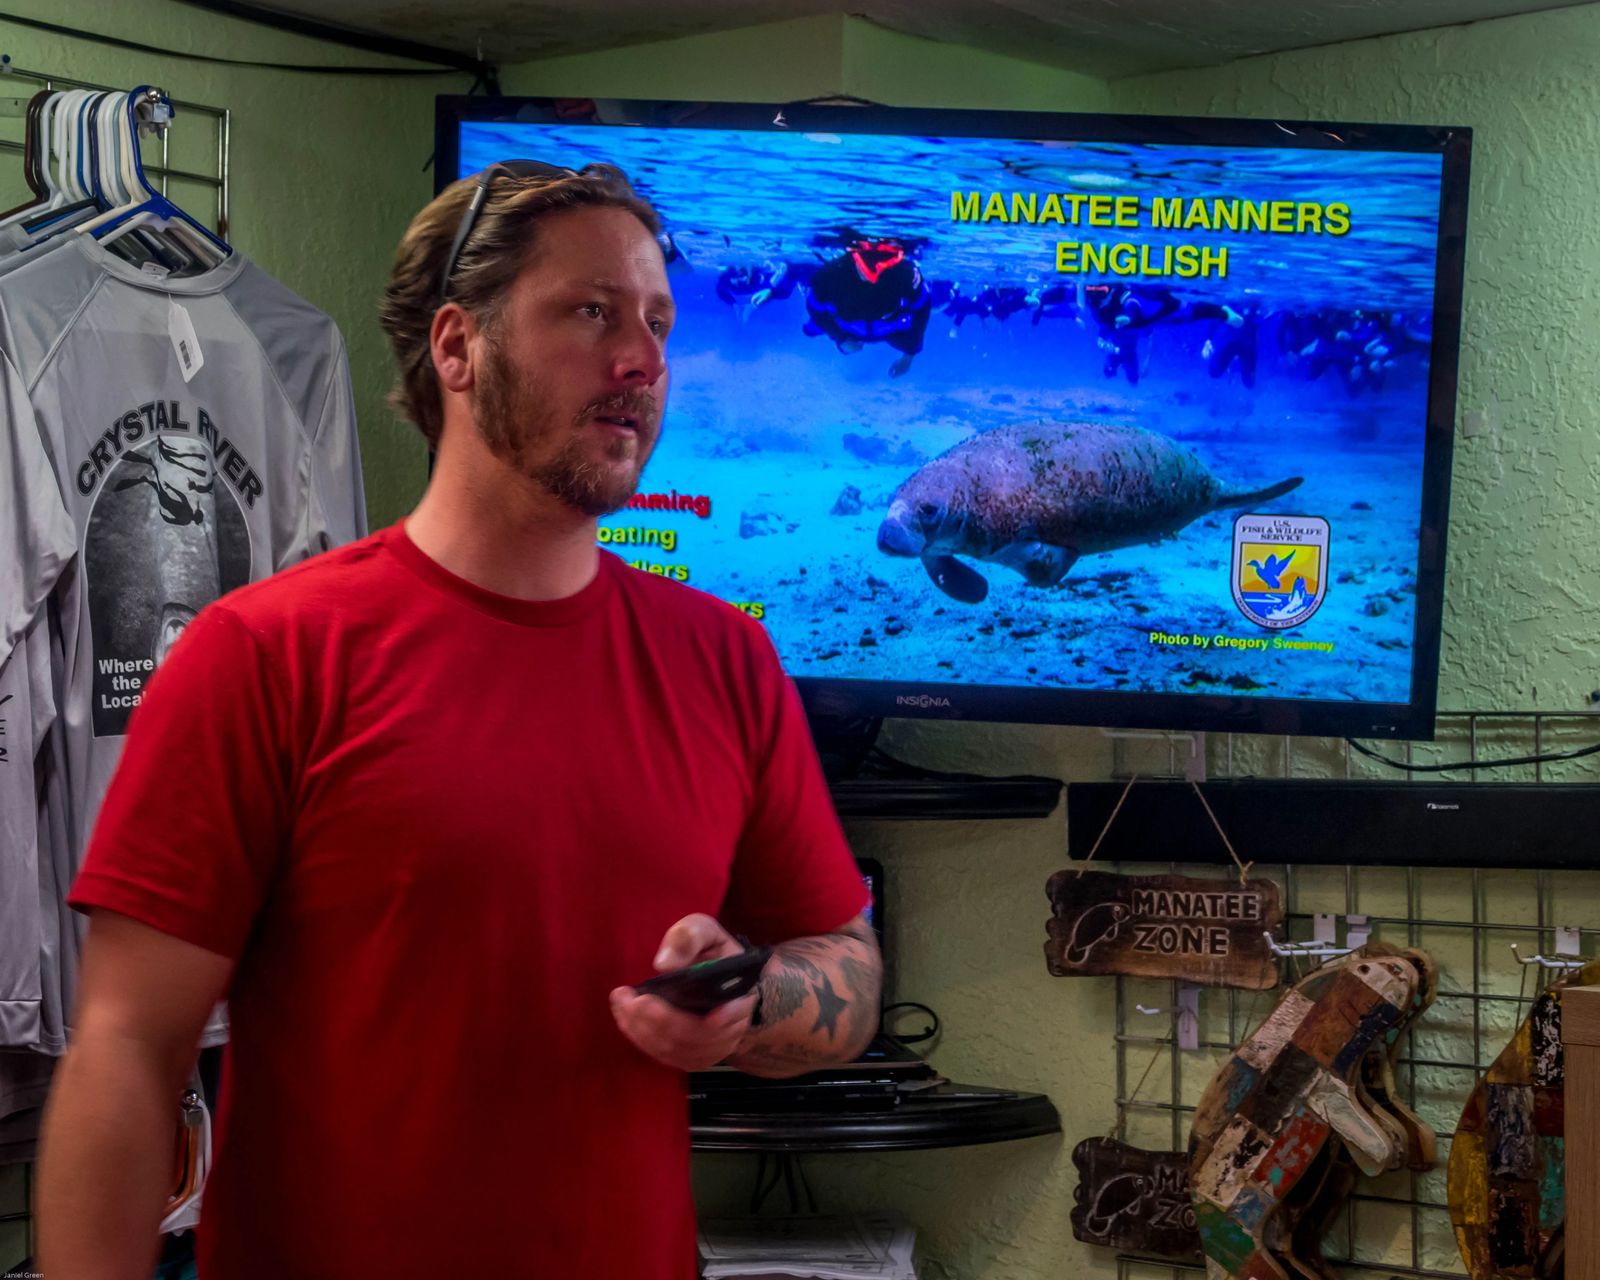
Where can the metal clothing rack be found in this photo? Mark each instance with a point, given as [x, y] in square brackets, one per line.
[216, 182]
[1398, 1225]
[16, 1192]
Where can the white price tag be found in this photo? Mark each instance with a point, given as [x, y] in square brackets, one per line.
[184, 343]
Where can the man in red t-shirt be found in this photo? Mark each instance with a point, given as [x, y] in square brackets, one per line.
[424, 808]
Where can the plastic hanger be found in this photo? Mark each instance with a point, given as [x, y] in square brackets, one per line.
[85, 146]
[64, 143]
[52, 133]
[174, 244]
[110, 174]
[95, 170]
[108, 150]
[150, 208]
[61, 137]
[89, 178]
[97, 176]
[35, 170]
[51, 211]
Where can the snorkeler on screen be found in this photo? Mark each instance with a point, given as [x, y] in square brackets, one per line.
[1123, 312]
[750, 286]
[961, 305]
[872, 292]
[998, 301]
[1230, 344]
[1355, 345]
[1053, 300]
[1004, 301]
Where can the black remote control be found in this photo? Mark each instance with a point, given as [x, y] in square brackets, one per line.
[700, 988]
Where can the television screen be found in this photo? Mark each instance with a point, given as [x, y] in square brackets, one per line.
[1080, 419]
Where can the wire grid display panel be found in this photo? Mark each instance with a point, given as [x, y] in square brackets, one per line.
[1397, 1225]
[188, 162]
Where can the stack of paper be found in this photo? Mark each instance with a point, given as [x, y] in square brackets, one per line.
[875, 1245]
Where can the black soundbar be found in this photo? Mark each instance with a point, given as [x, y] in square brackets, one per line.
[946, 798]
[1397, 824]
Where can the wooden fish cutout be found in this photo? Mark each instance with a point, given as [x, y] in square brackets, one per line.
[1378, 1067]
[1313, 1208]
[1284, 1107]
[1507, 1163]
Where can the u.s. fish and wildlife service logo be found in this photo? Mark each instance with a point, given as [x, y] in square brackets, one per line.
[1280, 568]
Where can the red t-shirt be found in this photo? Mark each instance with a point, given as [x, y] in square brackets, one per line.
[436, 826]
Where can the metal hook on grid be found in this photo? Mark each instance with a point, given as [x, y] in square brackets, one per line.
[1296, 950]
[1549, 962]
[153, 111]
[1188, 1011]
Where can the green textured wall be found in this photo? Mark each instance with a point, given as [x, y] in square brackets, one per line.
[326, 170]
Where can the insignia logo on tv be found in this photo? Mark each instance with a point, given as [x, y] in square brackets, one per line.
[923, 700]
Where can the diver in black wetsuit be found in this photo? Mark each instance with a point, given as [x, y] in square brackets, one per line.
[1229, 344]
[1004, 301]
[959, 306]
[175, 504]
[1411, 333]
[1053, 300]
[748, 287]
[1349, 342]
[1122, 312]
[1384, 340]
[940, 293]
[872, 292]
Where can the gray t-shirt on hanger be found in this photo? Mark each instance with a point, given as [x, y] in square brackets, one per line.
[177, 491]
[36, 545]
[23, 726]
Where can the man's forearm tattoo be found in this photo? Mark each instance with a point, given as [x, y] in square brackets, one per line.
[800, 972]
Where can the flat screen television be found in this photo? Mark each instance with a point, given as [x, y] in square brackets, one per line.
[1087, 419]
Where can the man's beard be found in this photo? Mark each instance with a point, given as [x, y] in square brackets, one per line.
[514, 422]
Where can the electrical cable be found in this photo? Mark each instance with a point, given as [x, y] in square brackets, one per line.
[364, 38]
[118, 42]
[927, 1033]
[763, 1187]
[1577, 753]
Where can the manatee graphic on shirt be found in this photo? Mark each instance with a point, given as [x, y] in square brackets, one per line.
[166, 536]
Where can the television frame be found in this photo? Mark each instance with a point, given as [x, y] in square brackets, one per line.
[845, 701]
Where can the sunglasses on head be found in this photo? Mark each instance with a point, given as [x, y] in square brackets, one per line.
[484, 179]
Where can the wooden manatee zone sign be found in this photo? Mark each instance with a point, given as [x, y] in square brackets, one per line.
[1209, 932]
[1132, 1199]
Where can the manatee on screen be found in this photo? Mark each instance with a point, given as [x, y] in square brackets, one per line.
[1034, 498]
